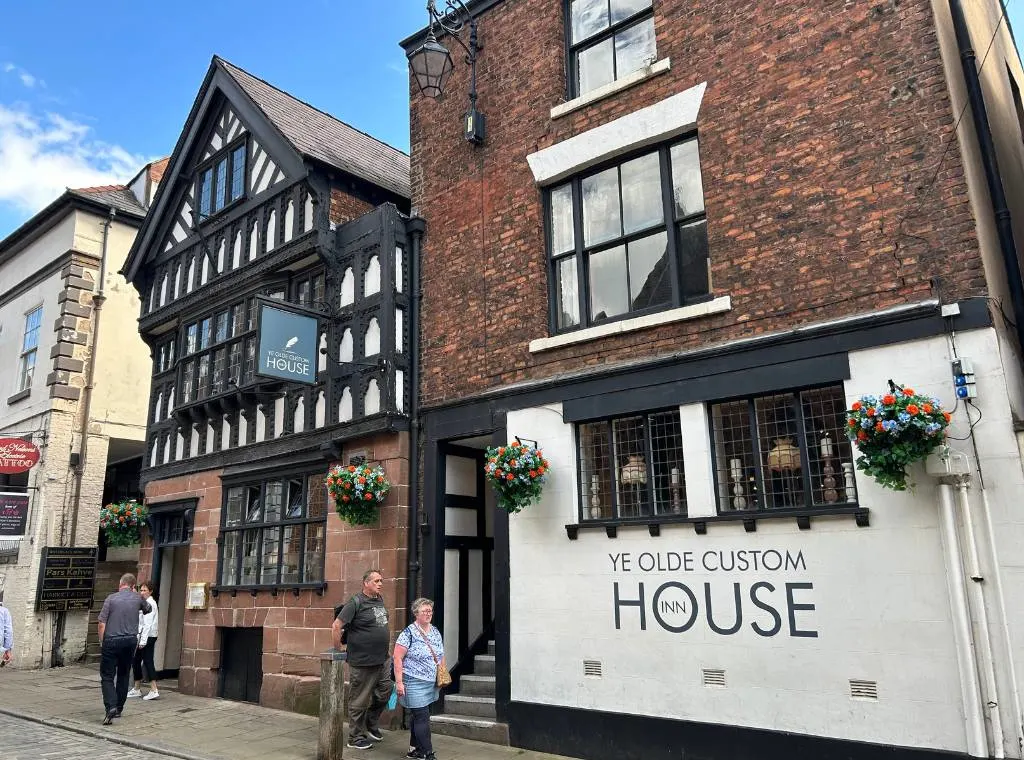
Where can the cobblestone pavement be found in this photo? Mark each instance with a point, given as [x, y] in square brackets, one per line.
[27, 740]
[182, 726]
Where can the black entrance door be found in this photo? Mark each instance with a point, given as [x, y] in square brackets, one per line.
[241, 664]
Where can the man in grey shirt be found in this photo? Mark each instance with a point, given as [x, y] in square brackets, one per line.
[119, 637]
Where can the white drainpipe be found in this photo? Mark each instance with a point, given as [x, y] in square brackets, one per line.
[977, 595]
[977, 742]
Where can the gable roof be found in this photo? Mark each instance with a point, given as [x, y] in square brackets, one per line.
[118, 196]
[320, 136]
[290, 129]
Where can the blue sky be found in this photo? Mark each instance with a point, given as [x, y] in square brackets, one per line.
[89, 93]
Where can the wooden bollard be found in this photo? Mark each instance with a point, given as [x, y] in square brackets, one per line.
[332, 705]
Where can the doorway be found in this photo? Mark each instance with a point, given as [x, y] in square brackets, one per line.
[241, 664]
[171, 531]
[466, 587]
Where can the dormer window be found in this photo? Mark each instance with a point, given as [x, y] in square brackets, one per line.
[221, 181]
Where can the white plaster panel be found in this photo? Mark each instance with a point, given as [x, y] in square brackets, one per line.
[460, 476]
[450, 624]
[879, 593]
[670, 117]
[459, 521]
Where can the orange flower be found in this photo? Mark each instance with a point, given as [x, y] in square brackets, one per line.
[861, 435]
[369, 496]
[540, 453]
[912, 409]
[888, 399]
[879, 428]
[856, 406]
[120, 519]
[851, 422]
[345, 498]
[351, 468]
[533, 473]
[501, 450]
[348, 486]
[499, 473]
[510, 476]
[361, 479]
[492, 460]
[927, 408]
[908, 391]
[380, 478]
[872, 411]
[514, 463]
[948, 416]
[541, 470]
[514, 444]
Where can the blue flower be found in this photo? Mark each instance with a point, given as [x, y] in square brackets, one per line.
[866, 423]
[889, 425]
[904, 417]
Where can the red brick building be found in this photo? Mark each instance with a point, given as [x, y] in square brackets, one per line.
[272, 215]
[693, 234]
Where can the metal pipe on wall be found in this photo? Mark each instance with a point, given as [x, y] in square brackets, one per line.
[974, 722]
[977, 595]
[416, 227]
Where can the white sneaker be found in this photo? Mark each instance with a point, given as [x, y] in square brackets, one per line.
[152, 695]
[133, 692]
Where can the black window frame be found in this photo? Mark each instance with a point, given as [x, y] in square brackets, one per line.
[671, 224]
[583, 490]
[814, 469]
[227, 157]
[572, 50]
[310, 481]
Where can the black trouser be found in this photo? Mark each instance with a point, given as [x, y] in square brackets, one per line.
[419, 731]
[116, 663]
[144, 658]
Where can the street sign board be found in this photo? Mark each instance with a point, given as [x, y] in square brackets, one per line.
[13, 514]
[288, 345]
[67, 578]
[17, 455]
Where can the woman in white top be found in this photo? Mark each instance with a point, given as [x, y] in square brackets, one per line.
[147, 645]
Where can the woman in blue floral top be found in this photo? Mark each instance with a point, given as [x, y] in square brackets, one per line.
[418, 650]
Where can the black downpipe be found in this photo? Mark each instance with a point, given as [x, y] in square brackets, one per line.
[416, 227]
[1004, 226]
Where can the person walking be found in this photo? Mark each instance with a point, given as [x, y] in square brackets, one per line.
[147, 646]
[419, 651]
[6, 634]
[362, 626]
[119, 638]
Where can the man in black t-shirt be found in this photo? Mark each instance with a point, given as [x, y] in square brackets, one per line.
[364, 619]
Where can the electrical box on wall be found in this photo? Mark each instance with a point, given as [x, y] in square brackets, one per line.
[963, 379]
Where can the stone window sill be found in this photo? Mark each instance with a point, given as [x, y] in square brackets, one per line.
[694, 311]
[642, 75]
[19, 396]
[861, 516]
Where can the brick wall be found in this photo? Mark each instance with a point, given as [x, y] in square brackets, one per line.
[821, 124]
[295, 628]
[345, 207]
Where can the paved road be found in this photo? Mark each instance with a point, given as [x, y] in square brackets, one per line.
[25, 740]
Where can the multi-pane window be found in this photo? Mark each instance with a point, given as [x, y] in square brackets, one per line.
[29, 348]
[783, 451]
[629, 239]
[608, 39]
[164, 356]
[308, 290]
[221, 182]
[218, 341]
[273, 532]
[632, 467]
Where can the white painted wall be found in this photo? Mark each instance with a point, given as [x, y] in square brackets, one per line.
[879, 594]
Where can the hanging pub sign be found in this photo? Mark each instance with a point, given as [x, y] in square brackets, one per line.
[67, 578]
[17, 456]
[13, 515]
[288, 344]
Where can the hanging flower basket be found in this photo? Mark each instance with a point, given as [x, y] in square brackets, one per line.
[894, 431]
[122, 522]
[357, 491]
[517, 473]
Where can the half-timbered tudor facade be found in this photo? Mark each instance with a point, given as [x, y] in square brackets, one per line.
[694, 234]
[267, 200]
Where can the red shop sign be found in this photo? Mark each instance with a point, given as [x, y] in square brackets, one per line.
[17, 456]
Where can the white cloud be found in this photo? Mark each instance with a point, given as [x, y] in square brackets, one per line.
[9, 67]
[41, 156]
[28, 80]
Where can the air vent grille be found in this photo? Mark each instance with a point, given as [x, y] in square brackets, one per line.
[714, 677]
[592, 668]
[863, 689]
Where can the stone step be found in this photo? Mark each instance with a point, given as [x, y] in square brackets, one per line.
[490, 647]
[465, 704]
[483, 665]
[466, 727]
[477, 686]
